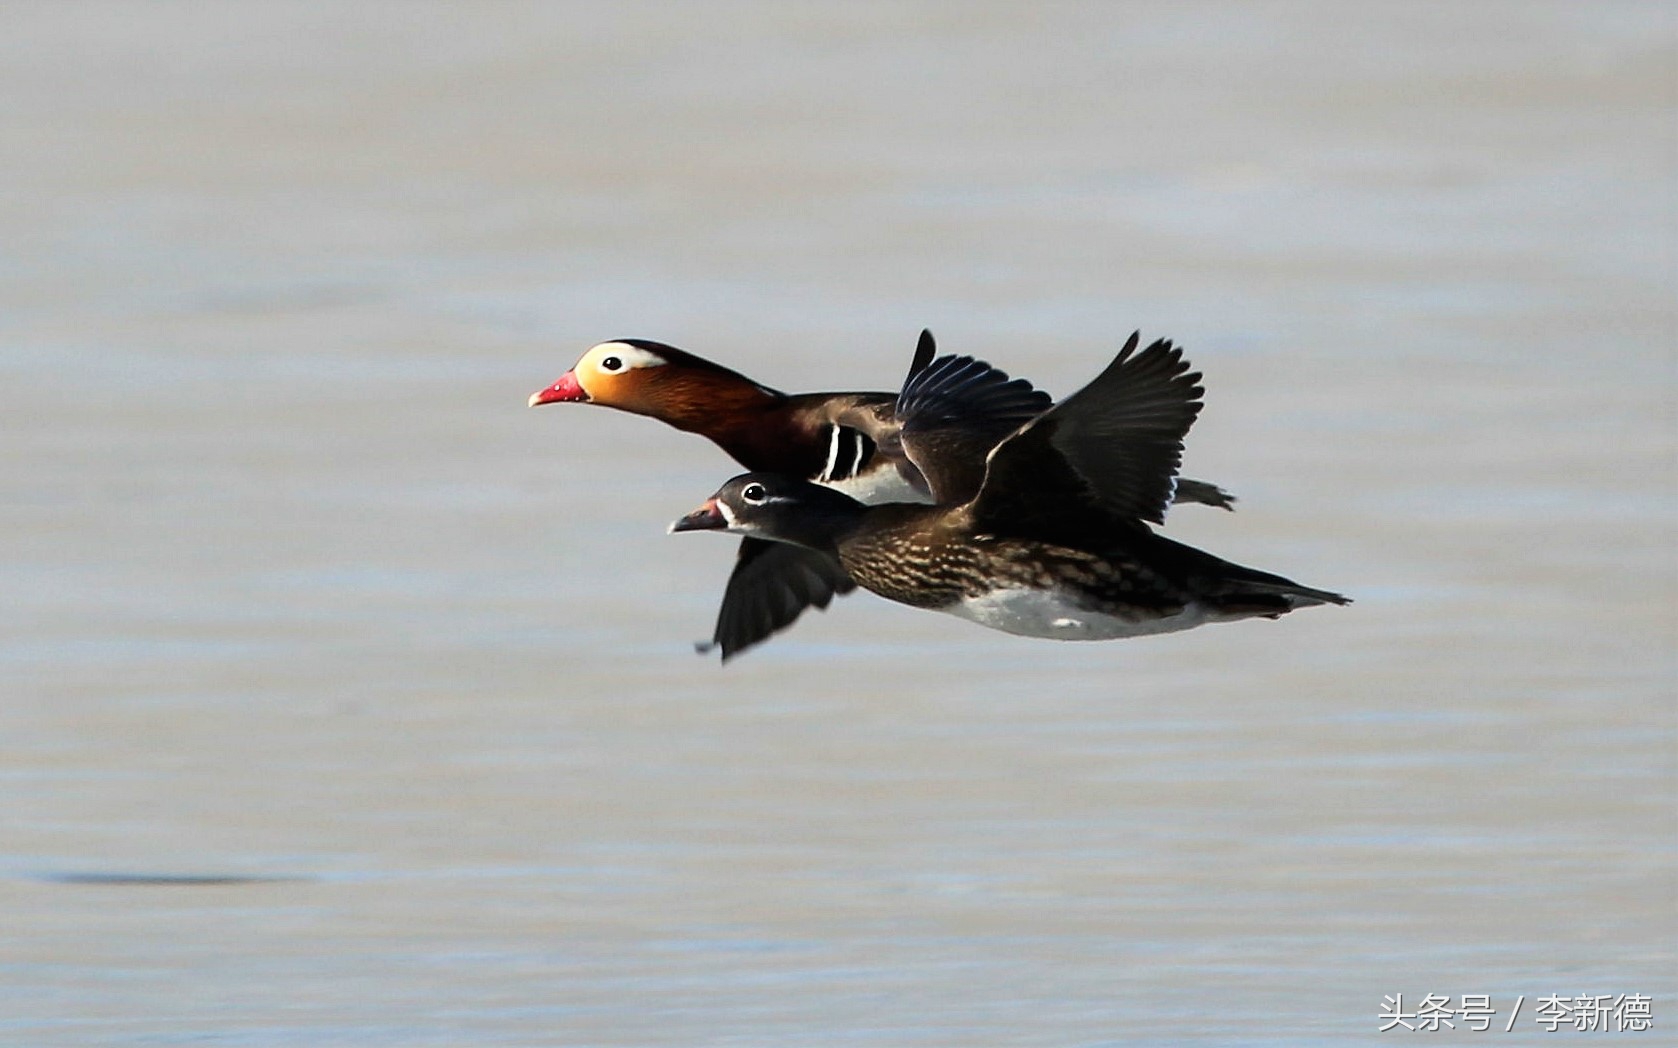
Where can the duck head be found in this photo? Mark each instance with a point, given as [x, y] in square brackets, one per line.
[611, 373]
[781, 508]
[651, 378]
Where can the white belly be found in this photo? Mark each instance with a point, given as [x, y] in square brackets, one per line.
[1044, 613]
[880, 486]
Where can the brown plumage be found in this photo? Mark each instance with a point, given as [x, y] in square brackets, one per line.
[848, 440]
[1054, 543]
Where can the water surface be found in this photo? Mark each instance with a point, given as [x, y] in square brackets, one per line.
[349, 702]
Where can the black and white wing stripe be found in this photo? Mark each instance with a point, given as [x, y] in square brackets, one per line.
[848, 452]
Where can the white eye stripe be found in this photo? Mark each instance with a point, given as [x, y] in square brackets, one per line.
[629, 357]
[755, 494]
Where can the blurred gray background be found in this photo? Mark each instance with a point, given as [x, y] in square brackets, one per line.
[297, 593]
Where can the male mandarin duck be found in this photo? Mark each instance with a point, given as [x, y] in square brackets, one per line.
[1054, 541]
[846, 441]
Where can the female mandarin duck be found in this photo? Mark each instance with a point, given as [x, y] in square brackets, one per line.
[846, 441]
[1054, 541]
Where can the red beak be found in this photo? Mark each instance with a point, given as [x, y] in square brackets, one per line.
[706, 518]
[566, 389]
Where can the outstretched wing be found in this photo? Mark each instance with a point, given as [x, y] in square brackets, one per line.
[771, 585]
[1117, 443]
[953, 411]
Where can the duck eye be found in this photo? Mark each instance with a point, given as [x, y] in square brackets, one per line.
[611, 364]
[754, 493]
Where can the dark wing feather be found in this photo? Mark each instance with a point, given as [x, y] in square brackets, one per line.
[771, 585]
[952, 412]
[925, 350]
[1115, 444]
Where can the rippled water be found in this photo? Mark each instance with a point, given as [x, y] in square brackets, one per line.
[349, 702]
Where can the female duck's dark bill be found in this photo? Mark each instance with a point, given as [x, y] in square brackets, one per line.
[708, 517]
[566, 389]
